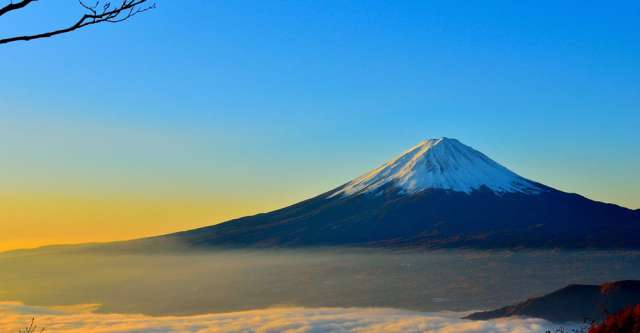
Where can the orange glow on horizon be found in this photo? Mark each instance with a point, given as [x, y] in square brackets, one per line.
[37, 220]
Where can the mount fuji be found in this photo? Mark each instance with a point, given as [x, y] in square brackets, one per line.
[438, 194]
[440, 164]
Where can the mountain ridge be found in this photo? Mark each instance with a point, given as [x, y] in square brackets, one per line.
[403, 208]
[576, 302]
[443, 163]
[415, 201]
[438, 194]
[401, 221]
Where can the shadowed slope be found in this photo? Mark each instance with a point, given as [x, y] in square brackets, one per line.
[573, 303]
[432, 219]
[438, 194]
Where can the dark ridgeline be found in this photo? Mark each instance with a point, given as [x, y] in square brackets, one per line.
[575, 303]
[378, 210]
[431, 219]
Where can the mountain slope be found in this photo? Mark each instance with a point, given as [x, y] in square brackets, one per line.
[573, 303]
[441, 164]
[438, 194]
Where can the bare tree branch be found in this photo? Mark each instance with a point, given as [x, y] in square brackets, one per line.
[95, 14]
[13, 6]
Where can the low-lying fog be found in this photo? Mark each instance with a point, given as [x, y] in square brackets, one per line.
[241, 280]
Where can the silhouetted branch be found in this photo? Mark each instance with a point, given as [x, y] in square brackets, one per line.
[95, 14]
[13, 6]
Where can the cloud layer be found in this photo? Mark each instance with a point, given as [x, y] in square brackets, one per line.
[14, 316]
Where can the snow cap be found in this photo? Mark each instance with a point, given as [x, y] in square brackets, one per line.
[442, 163]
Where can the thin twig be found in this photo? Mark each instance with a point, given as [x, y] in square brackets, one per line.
[126, 10]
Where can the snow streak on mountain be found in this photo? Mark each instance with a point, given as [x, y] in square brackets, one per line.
[438, 194]
[441, 164]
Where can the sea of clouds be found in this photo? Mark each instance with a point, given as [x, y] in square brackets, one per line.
[14, 316]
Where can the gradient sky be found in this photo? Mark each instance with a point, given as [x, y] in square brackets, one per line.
[201, 111]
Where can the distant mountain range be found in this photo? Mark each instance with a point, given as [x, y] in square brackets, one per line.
[573, 303]
[438, 194]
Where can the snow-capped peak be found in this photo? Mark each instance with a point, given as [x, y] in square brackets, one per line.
[440, 164]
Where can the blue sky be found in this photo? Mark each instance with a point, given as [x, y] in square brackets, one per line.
[281, 100]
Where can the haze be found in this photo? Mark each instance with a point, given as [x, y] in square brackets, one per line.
[191, 283]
